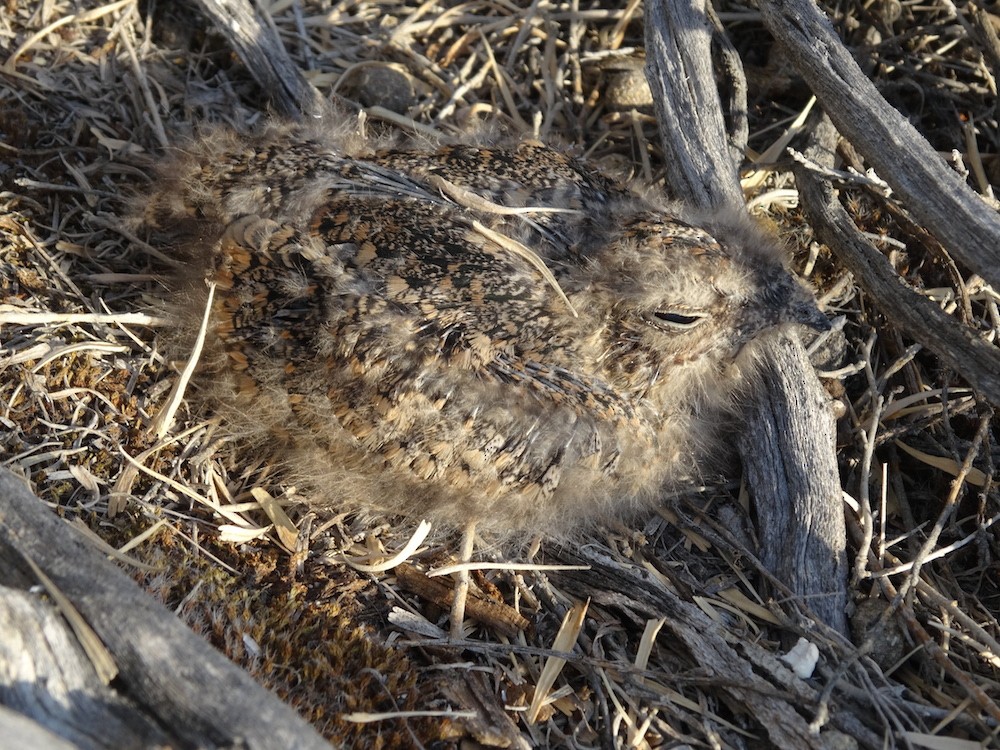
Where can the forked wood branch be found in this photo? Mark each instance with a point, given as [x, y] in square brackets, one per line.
[787, 446]
[958, 345]
[929, 189]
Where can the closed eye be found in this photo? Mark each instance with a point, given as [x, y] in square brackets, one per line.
[672, 320]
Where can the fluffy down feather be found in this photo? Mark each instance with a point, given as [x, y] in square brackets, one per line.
[464, 333]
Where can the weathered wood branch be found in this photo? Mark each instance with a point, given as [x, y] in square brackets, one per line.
[958, 345]
[700, 168]
[789, 455]
[931, 191]
[787, 447]
[187, 690]
[18, 730]
[255, 39]
[48, 678]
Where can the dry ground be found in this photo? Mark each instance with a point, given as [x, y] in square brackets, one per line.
[90, 96]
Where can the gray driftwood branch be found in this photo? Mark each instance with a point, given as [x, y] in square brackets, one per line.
[700, 168]
[255, 39]
[958, 345]
[789, 455]
[929, 189]
[172, 688]
[787, 446]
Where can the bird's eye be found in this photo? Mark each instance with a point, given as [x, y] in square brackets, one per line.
[672, 320]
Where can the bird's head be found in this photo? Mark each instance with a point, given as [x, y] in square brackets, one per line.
[678, 291]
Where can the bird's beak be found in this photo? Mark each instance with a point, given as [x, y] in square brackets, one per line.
[805, 312]
[796, 304]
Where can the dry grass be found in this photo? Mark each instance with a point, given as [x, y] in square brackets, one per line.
[91, 93]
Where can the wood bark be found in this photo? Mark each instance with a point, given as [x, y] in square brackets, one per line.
[700, 169]
[47, 677]
[255, 39]
[957, 345]
[18, 730]
[789, 455]
[187, 691]
[930, 190]
[787, 446]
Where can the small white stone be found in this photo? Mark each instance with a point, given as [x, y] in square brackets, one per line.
[802, 658]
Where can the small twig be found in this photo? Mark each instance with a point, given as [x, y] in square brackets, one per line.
[864, 493]
[908, 588]
[842, 178]
[494, 615]
[165, 419]
[15, 317]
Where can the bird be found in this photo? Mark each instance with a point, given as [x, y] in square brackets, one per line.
[490, 333]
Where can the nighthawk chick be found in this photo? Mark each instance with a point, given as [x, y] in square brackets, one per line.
[498, 335]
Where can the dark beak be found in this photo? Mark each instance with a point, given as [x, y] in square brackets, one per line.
[794, 302]
[805, 312]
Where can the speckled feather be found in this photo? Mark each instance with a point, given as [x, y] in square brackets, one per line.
[388, 326]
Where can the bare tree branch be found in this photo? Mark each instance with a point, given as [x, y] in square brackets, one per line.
[700, 168]
[936, 195]
[787, 447]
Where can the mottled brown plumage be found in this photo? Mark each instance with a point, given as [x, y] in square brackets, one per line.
[499, 335]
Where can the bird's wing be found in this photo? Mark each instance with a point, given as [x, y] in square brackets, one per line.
[527, 174]
[417, 335]
[468, 290]
[387, 279]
